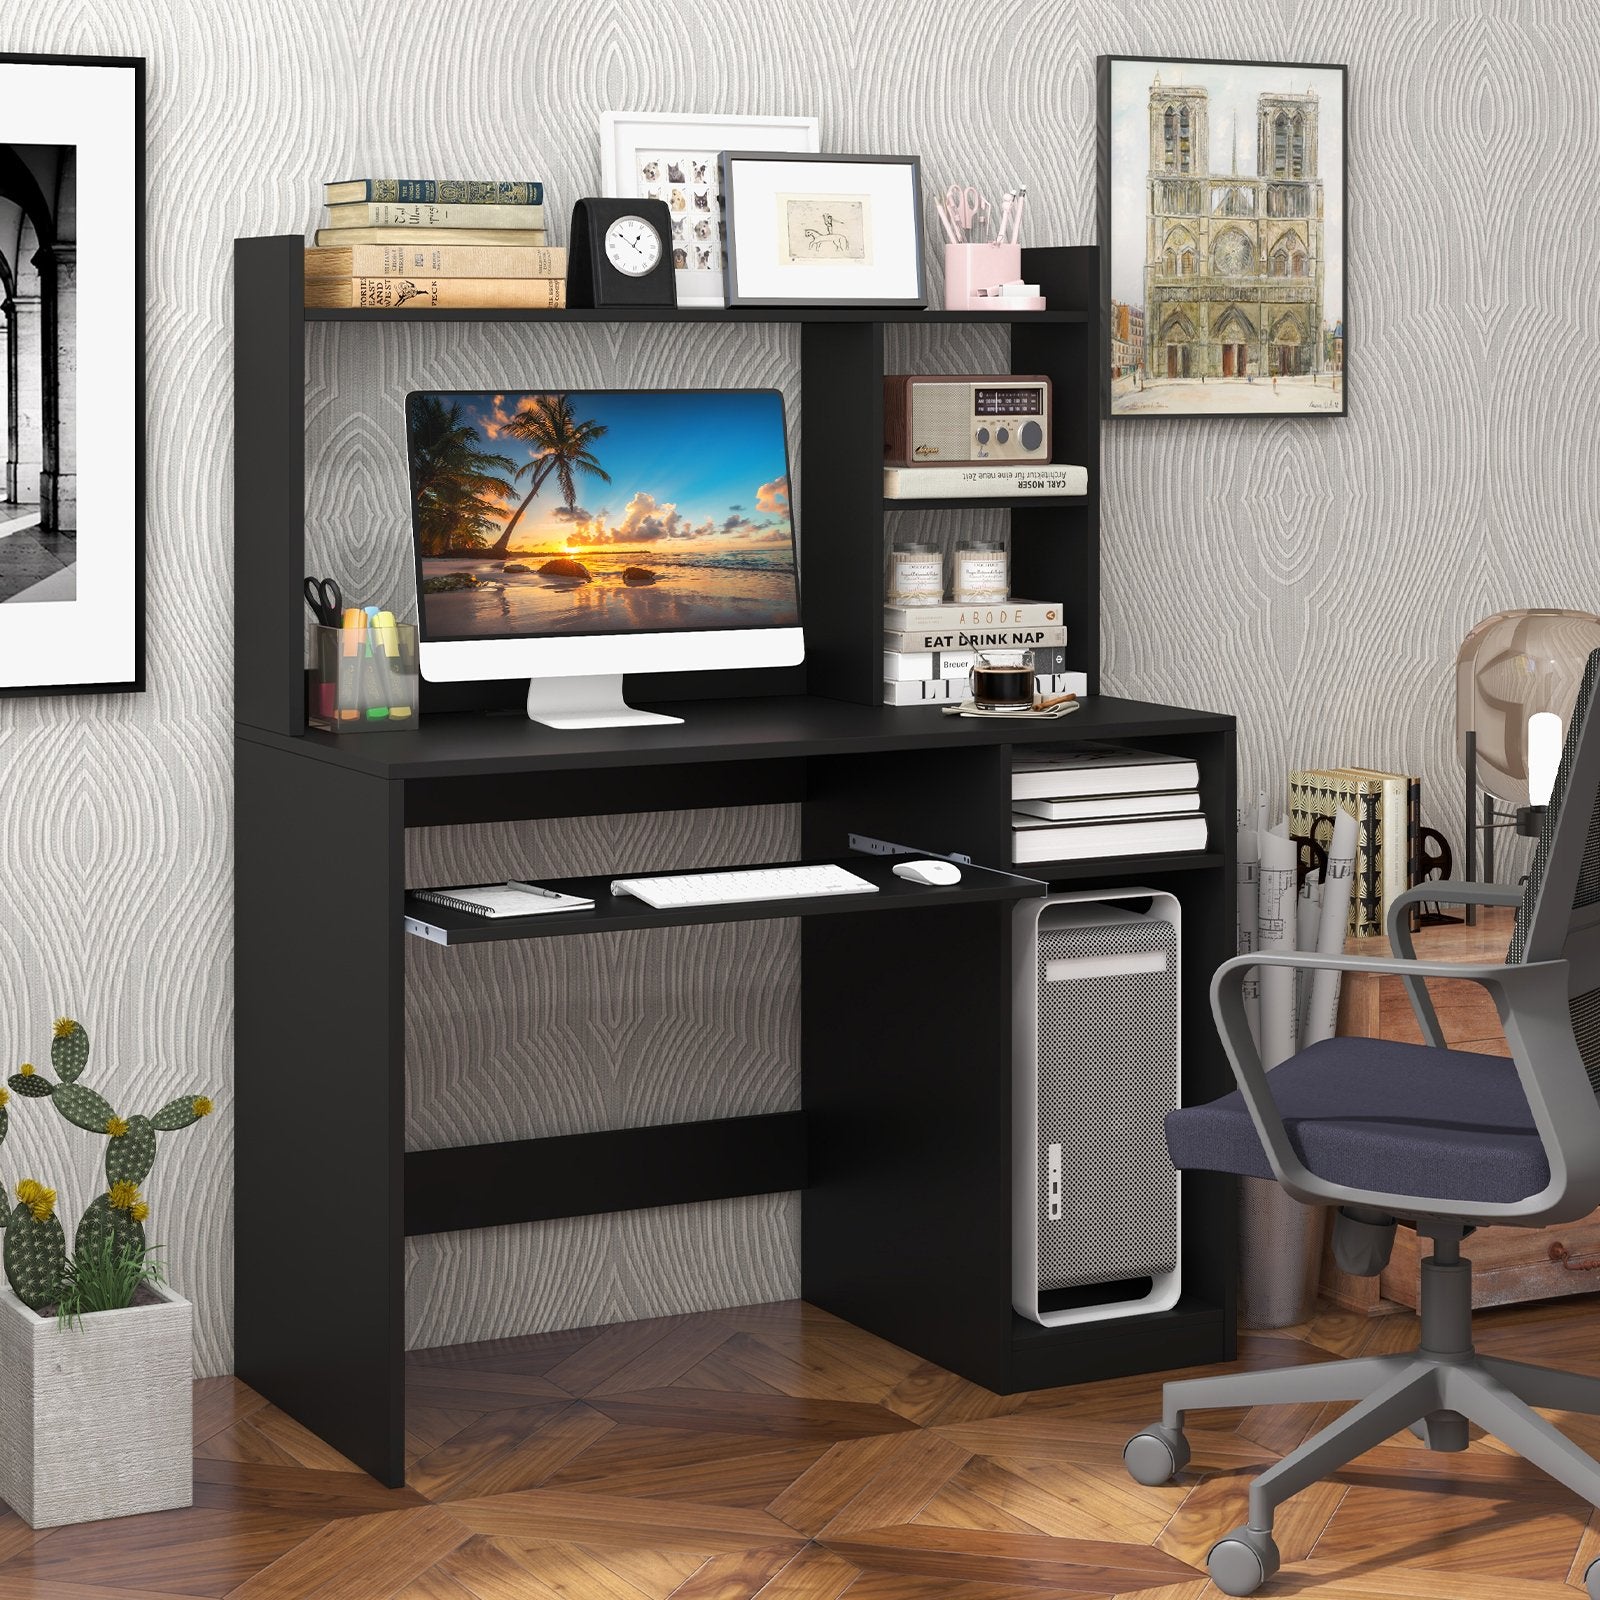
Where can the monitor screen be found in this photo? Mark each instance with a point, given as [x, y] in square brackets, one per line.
[559, 513]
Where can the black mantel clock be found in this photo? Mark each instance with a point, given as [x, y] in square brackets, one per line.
[621, 254]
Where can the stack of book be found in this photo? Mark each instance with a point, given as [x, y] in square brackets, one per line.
[1103, 800]
[928, 650]
[1387, 808]
[440, 242]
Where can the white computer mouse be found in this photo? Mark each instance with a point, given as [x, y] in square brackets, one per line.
[939, 873]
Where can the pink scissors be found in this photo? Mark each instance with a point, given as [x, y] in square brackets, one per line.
[964, 206]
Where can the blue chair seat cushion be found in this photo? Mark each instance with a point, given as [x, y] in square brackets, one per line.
[1377, 1114]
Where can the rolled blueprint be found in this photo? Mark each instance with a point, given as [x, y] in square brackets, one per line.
[1247, 866]
[1322, 1008]
[1276, 931]
[1308, 917]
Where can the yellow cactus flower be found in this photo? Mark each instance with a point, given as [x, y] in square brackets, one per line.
[140, 1212]
[116, 1126]
[203, 1106]
[26, 1069]
[124, 1196]
[5, 1096]
[64, 1026]
[38, 1199]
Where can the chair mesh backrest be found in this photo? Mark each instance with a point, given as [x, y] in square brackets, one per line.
[1556, 918]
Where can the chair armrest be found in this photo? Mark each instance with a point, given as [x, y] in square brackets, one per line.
[1449, 891]
[1532, 1001]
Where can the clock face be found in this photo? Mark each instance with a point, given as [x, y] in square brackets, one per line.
[633, 246]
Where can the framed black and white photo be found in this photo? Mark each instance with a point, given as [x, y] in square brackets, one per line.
[647, 155]
[822, 230]
[72, 285]
[1222, 237]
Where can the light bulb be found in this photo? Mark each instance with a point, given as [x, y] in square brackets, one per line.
[1544, 755]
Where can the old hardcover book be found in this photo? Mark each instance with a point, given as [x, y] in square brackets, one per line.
[386, 214]
[436, 191]
[417, 236]
[437, 261]
[391, 294]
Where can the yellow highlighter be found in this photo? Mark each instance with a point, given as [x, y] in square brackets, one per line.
[352, 636]
[387, 635]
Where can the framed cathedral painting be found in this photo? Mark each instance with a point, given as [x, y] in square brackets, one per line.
[72, 344]
[1222, 238]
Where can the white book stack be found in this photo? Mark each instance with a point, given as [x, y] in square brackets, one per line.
[1103, 800]
[929, 650]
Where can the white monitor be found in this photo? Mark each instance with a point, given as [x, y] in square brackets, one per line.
[571, 536]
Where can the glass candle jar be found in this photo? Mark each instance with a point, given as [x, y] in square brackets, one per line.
[916, 574]
[982, 574]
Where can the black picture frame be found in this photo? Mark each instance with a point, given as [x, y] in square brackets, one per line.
[134, 682]
[1338, 397]
[768, 157]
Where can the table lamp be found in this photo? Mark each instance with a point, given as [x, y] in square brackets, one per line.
[1517, 676]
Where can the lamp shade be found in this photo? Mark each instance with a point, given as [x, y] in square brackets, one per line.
[1511, 667]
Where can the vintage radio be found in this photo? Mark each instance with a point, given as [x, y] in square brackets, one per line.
[933, 420]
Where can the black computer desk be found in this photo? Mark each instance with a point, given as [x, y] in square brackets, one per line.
[901, 1150]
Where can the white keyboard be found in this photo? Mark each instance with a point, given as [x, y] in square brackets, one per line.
[755, 883]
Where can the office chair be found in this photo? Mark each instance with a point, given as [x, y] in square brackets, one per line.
[1446, 1140]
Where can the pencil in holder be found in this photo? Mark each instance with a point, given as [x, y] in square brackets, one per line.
[363, 680]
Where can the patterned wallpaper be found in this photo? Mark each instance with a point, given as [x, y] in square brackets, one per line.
[1313, 576]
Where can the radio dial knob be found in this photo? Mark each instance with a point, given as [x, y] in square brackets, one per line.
[1002, 436]
[983, 436]
[1032, 435]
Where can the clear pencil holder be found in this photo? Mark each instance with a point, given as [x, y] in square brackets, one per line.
[363, 680]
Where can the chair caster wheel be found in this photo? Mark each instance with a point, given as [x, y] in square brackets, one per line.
[1156, 1455]
[1591, 1580]
[1241, 1561]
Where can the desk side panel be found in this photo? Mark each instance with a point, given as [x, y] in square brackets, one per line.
[907, 1088]
[320, 1093]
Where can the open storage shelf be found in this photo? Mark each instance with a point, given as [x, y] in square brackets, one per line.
[902, 1151]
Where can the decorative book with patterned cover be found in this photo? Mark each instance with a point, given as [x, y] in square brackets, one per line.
[1317, 794]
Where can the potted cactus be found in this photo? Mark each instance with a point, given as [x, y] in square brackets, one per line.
[96, 1352]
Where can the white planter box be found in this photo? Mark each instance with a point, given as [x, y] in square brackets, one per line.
[96, 1421]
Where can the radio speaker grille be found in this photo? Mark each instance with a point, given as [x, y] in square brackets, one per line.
[1108, 1074]
[941, 421]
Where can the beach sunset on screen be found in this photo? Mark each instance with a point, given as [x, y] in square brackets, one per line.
[552, 512]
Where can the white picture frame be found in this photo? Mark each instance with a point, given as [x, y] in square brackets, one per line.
[630, 140]
[823, 230]
[72, 215]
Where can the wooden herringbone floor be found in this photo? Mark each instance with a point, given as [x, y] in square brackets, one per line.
[776, 1451]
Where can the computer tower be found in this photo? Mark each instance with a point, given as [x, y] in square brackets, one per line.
[1096, 1200]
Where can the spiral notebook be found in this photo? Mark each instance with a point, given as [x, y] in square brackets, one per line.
[510, 899]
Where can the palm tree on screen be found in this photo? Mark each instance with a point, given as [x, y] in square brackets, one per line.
[563, 447]
[461, 489]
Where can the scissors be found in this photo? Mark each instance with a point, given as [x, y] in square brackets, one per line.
[964, 205]
[326, 601]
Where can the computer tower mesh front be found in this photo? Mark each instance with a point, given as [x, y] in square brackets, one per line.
[1108, 1073]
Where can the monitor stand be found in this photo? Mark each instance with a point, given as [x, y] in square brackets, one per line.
[586, 703]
